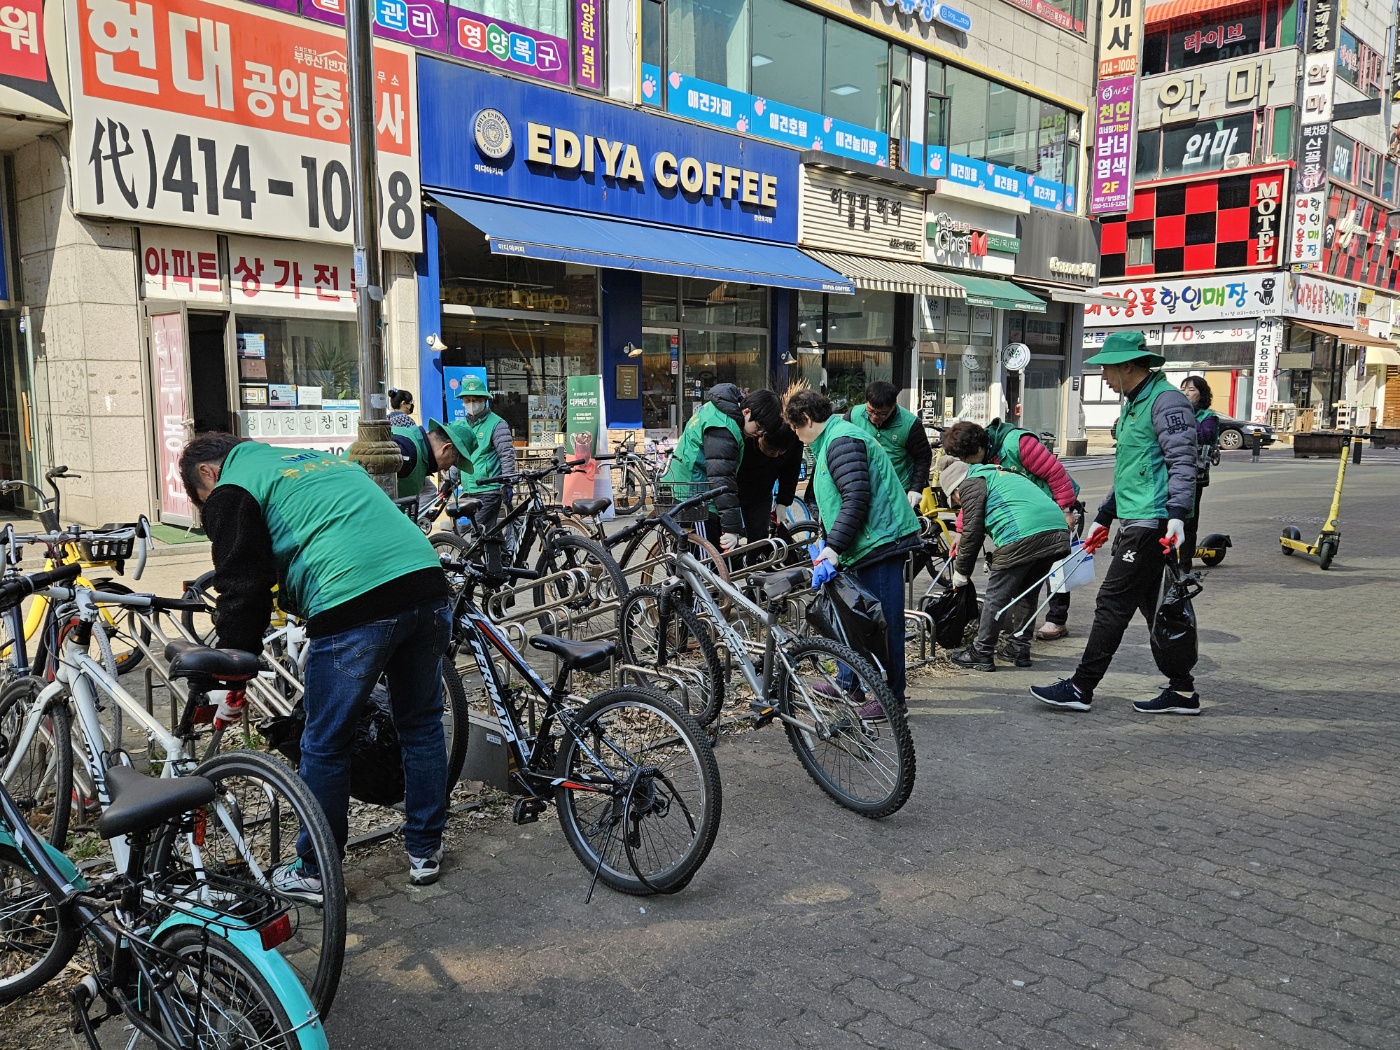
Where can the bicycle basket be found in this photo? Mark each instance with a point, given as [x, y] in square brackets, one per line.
[672, 493]
[231, 898]
[105, 549]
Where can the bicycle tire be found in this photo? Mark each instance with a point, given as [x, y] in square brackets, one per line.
[565, 551]
[449, 547]
[676, 636]
[221, 996]
[629, 487]
[454, 704]
[201, 625]
[657, 568]
[850, 735]
[671, 742]
[49, 777]
[317, 949]
[34, 934]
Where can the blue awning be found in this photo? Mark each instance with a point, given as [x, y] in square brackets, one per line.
[616, 244]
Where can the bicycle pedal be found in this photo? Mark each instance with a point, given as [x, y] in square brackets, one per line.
[528, 810]
[761, 713]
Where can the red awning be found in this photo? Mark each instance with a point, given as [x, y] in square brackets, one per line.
[1158, 14]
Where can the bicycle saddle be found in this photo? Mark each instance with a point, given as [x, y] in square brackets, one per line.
[191, 660]
[467, 508]
[140, 802]
[590, 507]
[773, 585]
[577, 656]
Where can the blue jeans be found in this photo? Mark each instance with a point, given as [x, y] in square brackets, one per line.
[341, 672]
[885, 579]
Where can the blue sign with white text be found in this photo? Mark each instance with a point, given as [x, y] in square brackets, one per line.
[952, 18]
[493, 136]
[1039, 192]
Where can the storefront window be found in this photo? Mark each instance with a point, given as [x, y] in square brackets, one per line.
[1040, 397]
[724, 303]
[322, 355]
[848, 372]
[653, 20]
[857, 75]
[1245, 31]
[545, 16]
[709, 39]
[863, 319]
[472, 275]
[527, 363]
[721, 357]
[659, 300]
[1043, 333]
[986, 120]
[785, 39]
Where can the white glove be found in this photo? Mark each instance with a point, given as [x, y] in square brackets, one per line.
[830, 555]
[1176, 532]
[230, 706]
[1097, 534]
[784, 511]
[916, 498]
[959, 580]
[729, 541]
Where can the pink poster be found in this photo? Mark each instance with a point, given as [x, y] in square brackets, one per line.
[172, 411]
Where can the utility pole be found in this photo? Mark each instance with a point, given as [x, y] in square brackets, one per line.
[374, 447]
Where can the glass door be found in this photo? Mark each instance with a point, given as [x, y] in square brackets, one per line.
[721, 357]
[661, 366]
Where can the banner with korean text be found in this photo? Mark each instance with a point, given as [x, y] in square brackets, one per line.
[1115, 108]
[207, 114]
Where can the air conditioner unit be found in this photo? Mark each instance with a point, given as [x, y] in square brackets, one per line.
[1237, 160]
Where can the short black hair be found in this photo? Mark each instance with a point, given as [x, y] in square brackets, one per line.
[1202, 388]
[806, 405]
[765, 409]
[881, 394]
[399, 398]
[212, 446]
[781, 439]
[963, 439]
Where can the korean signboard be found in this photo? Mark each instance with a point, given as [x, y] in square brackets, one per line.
[1115, 97]
[419, 23]
[1267, 344]
[1206, 298]
[33, 66]
[1319, 77]
[1218, 88]
[172, 412]
[206, 114]
[1048, 12]
[290, 274]
[180, 264]
[1313, 299]
[961, 235]
[1305, 247]
[844, 213]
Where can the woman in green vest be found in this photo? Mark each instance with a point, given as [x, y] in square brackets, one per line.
[492, 450]
[1197, 391]
[870, 527]
[899, 433]
[1028, 536]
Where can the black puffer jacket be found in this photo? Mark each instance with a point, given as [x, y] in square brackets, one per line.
[849, 464]
[722, 456]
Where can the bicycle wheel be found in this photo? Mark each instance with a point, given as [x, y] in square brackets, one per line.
[217, 996]
[450, 548]
[852, 736]
[651, 833]
[664, 633]
[199, 624]
[629, 486]
[563, 552]
[35, 942]
[455, 723]
[42, 780]
[658, 566]
[248, 831]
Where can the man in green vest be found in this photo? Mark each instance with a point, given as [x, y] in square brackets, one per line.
[372, 593]
[440, 447]
[899, 433]
[492, 450]
[870, 528]
[1154, 487]
[1028, 536]
[712, 447]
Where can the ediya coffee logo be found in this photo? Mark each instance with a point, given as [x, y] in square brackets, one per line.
[492, 132]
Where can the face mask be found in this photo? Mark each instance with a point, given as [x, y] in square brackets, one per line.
[480, 411]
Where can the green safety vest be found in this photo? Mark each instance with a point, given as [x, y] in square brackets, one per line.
[1016, 506]
[893, 438]
[688, 460]
[335, 534]
[890, 518]
[412, 483]
[486, 462]
[1004, 451]
[1140, 468]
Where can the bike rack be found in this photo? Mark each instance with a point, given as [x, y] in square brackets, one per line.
[923, 628]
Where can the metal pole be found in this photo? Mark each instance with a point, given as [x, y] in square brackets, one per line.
[374, 448]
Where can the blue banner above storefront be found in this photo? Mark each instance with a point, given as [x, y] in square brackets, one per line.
[490, 135]
[1036, 190]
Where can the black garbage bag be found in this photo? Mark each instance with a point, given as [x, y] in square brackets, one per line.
[376, 762]
[1173, 634]
[952, 611]
[846, 611]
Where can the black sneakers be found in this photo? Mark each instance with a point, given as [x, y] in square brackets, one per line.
[1170, 702]
[971, 659]
[1063, 694]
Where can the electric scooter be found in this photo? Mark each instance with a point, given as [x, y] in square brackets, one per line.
[1329, 540]
[1210, 550]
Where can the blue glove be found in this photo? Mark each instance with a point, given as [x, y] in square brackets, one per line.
[814, 550]
[821, 572]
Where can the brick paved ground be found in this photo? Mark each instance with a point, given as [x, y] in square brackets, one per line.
[1056, 880]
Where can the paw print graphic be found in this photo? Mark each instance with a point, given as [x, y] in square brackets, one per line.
[742, 125]
[649, 86]
[991, 169]
[759, 105]
[675, 79]
[826, 124]
[817, 144]
[881, 162]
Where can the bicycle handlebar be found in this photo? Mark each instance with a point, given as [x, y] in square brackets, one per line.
[15, 591]
[666, 516]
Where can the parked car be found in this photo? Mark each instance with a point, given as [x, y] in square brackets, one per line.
[1237, 434]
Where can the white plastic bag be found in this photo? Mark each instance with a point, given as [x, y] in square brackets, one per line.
[1072, 572]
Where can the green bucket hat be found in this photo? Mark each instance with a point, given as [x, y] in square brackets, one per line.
[460, 433]
[1122, 347]
[473, 386]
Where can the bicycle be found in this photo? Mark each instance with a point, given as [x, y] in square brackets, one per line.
[183, 970]
[633, 474]
[261, 809]
[838, 711]
[633, 777]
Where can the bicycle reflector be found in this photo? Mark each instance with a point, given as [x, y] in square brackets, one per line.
[278, 931]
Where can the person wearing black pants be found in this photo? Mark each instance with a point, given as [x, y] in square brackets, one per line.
[771, 460]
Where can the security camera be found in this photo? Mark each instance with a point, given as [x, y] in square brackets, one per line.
[435, 344]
